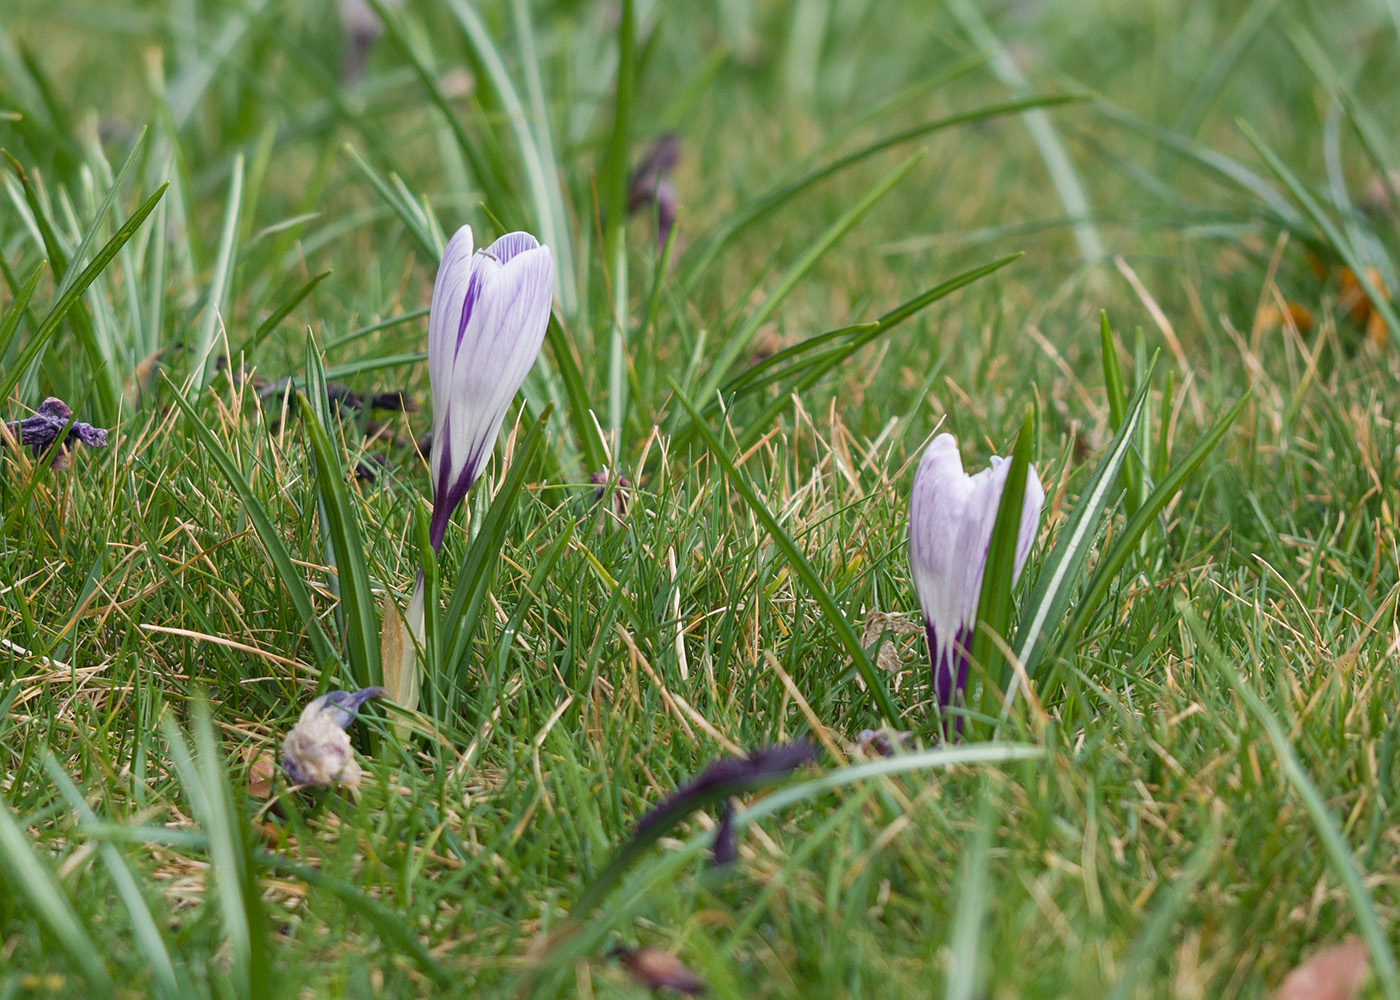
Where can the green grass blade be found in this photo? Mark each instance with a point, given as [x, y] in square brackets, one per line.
[769, 202]
[216, 299]
[9, 324]
[994, 604]
[974, 890]
[1363, 906]
[1225, 166]
[408, 212]
[576, 393]
[278, 315]
[30, 878]
[1047, 140]
[812, 371]
[1380, 300]
[737, 342]
[495, 192]
[231, 872]
[1125, 545]
[343, 526]
[271, 540]
[389, 923]
[540, 168]
[150, 942]
[63, 303]
[874, 682]
[1060, 574]
[473, 581]
[1153, 939]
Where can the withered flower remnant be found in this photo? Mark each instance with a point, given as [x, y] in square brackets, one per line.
[716, 783]
[649, 187]
[41, 432]
[659, 970]
[317, 750]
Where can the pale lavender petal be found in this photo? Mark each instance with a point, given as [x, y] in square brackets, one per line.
[1031, 507]
[449, 292]
[951, 519]
[511, 245]
[504, 338]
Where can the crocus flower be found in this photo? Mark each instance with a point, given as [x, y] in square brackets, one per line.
[317, 750]
[487, 322]
[489, 313]
[951, 516]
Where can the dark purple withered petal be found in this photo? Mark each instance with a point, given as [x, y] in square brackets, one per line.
[726, 846]
[725, 777]
[621, 492]
[342, 705]
[885, 742]
[41, 431]
[394, 399]
[372, 467]
[649, 188]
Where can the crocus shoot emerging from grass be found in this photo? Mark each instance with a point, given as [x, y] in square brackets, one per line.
[317, 750]
[487, 322]
[951, 516]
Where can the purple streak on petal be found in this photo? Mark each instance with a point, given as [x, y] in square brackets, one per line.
[445, 503]
[481, 271]
[510, 245]
[453, 276]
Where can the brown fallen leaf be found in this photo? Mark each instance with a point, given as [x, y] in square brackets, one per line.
[261, 767]
[1335, 973]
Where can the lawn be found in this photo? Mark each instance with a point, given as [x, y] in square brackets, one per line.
[1149, 248]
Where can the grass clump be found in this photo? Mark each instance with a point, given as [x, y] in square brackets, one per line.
[691, 541]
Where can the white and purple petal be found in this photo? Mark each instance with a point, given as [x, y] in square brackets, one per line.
[490, 311]
[951, 517]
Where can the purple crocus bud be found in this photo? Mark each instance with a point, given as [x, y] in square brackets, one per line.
[649, 188]
[317, 750]
[487, 322]
[951, 516]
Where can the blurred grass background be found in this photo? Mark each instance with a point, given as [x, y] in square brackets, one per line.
[1232, 157]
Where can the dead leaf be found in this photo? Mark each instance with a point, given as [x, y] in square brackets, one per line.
[261, 768]
[1335, 973]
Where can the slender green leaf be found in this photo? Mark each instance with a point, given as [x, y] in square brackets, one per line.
[26, 876]
[1339, 853]
[63, 303]
[343, 526]
[874, 682]
[737, 342]
[994, 604]
[150, 941]
[286, 570]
